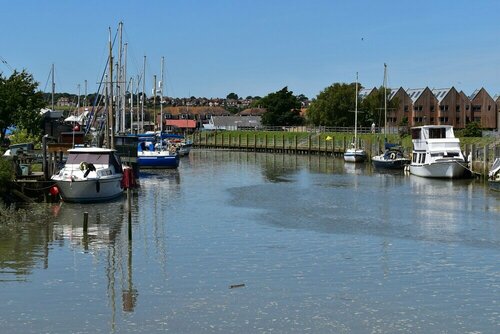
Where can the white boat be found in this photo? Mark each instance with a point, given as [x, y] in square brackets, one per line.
[91, 174]
[393, 155]
[494, 176]
[436, 152]
[355, 154]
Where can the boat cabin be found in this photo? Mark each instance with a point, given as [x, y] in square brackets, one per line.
[433, 142]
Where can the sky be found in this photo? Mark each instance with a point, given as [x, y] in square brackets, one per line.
[256, 47]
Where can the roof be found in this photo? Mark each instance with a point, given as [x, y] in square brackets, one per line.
[236, 121]
[440, 93]
[414, 93]
[474, 94]
[363, 93]
[182, 123]
[393, 92]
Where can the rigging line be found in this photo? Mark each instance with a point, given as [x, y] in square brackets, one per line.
[6, 63]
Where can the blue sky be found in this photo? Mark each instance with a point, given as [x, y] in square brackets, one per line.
[255, 47]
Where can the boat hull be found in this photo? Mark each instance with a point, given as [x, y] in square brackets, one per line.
[382, 163]
[352, 155]
[185, 149]
[90, 190]
[444, 169]
[158, 161]
[494, 185]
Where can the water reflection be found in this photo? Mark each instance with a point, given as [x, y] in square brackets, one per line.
[305, 234]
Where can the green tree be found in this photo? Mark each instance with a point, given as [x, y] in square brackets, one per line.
[20, 103]
[333, 106]
[373, 107]
[282, 108]
[232, 96]
[472, 129]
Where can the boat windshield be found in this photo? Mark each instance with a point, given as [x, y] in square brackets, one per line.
[437, 133]
[93, 158]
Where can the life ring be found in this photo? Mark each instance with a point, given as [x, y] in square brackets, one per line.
[392, 155]
[83, 166]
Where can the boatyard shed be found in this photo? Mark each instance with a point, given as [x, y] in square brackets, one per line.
[233, 123]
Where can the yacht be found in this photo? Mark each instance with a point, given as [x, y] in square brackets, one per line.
[436, 152]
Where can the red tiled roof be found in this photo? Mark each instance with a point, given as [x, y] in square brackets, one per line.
[182, 123]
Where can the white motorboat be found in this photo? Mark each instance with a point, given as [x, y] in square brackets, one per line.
[91, 174]
[436, 152]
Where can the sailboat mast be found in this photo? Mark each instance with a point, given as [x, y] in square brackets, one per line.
[131, 103]
[124, 83]
[356, 115]
[53, 87]
[143, 97]
[111, 141]
[385, 100]
[161, 96]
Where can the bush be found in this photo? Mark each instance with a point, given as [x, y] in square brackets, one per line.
[472, 129]
[6, 173]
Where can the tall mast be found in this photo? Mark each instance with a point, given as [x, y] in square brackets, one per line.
[154, 99]
[385, 100]
[53, 87]
[356, 115]
[143, 90]
[161, 96]
[137, 102]
[119, 79]
[85, 97]
[131, 103]
[111, 141]
[124, 91]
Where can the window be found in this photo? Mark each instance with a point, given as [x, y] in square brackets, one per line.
[489, 107]
[457, 108]
[432, 108]
[466, 107]
[406, 109]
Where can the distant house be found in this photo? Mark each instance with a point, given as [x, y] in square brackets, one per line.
[483, 109]
[233, 123]
[175, 125]
[64, 102]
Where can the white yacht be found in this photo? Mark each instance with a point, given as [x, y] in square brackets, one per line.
[436, 152]
[354, 153]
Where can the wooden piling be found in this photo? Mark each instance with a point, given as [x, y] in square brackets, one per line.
[85, 221]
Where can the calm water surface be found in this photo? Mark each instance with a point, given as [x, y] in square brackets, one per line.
[321, 247]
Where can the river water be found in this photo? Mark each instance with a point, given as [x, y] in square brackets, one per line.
[237, 242]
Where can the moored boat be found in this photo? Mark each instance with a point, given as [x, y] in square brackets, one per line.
[393, 155]
[90, 174]
[392, 158]
[494, 176]
[436, 152]
[183, 145]
[355, 154]
[152, 152]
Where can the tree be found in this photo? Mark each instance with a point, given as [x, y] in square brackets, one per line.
[333, 106]
[472, 129]
[232, 96]
[20, 103]
[373, 107]
[282, 108]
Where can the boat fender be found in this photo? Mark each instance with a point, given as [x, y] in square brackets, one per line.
[393, 156]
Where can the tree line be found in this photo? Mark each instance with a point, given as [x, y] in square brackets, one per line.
[21, 101]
